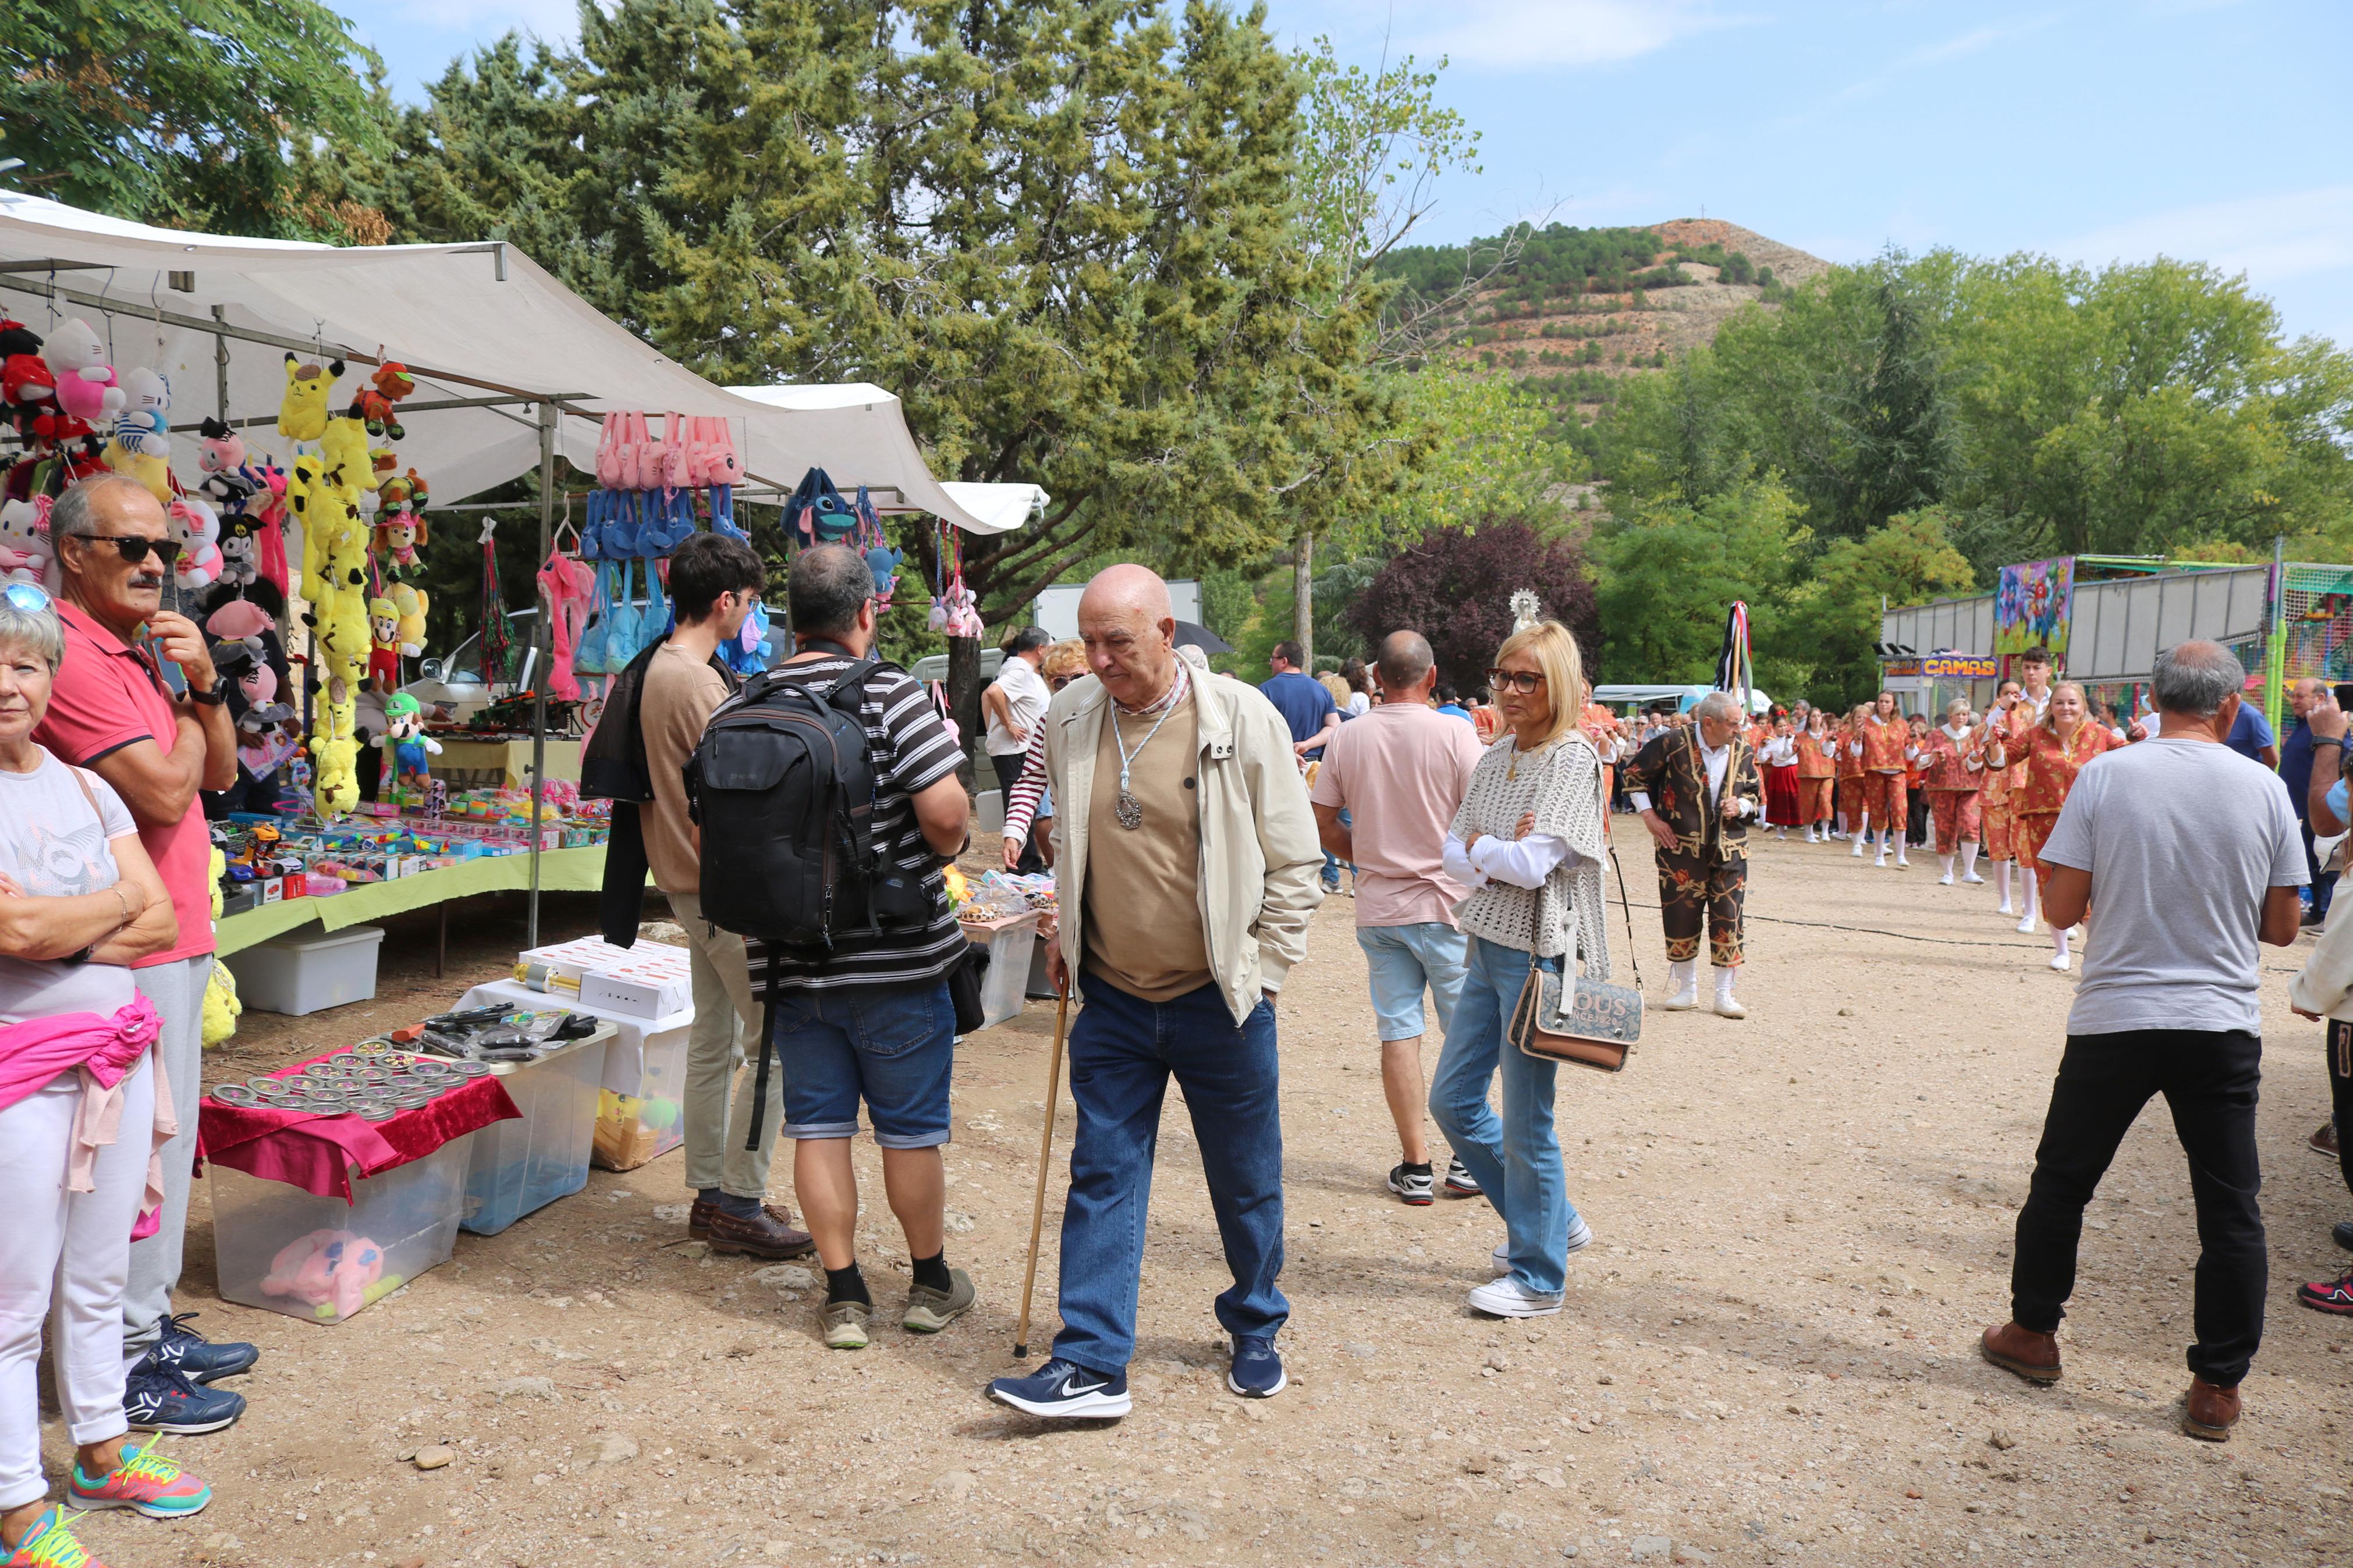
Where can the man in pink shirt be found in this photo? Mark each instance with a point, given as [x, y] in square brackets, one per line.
[1398, 773]
[111, 712]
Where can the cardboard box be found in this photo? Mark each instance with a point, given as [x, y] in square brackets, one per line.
[650, 979]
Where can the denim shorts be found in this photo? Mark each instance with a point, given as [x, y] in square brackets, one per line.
[892, 1046]
[1403, 960]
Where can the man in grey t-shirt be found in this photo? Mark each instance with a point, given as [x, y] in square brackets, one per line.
[2189, 854]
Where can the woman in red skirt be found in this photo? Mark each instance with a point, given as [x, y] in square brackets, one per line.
[1778, 757]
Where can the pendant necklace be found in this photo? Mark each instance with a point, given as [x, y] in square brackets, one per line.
[1125, 809]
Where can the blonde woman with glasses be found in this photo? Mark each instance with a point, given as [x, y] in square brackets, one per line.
[1528, 841]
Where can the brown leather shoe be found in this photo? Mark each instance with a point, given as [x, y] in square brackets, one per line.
[2208, 1411]
[2033, 1356]
[2324, 1139]
[764, 1234]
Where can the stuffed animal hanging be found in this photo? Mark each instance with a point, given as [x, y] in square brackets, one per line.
[191, 521]
[960, 613]
[219, 448]
[25, 552]
[373, 406]
[86, 388]
[302, 411]
[383, 657]
[410, 604]
[27, 390]
[406, 738]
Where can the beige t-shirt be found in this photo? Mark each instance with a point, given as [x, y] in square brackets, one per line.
[1144, 928]
[675, 703]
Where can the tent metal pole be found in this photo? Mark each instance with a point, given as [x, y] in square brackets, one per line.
[220, 368]
[547, 415]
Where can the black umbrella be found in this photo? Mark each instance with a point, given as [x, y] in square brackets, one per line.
[1202, 638]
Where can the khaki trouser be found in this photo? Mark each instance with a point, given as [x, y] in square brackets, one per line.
[725, 1018]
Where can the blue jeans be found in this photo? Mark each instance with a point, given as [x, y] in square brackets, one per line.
[1123, 1050]
[1515, 1157]
[1401, 960]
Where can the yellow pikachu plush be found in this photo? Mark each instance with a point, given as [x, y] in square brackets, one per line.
[302, 411]
[412, 605]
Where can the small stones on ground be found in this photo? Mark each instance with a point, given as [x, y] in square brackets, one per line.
[959, 1223]
[2002, 1439]
[523, 1388]
[1647, 1547]
[1361, 1351]
[787, 1277]
[671, 1213]
[1570, 1549]
[617, 1449]
[1691, 1554]
[953, 1485]
[433, 1456]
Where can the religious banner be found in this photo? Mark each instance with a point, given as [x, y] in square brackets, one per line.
[2033, 607]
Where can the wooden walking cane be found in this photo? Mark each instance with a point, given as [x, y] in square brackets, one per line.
[1045, 1154]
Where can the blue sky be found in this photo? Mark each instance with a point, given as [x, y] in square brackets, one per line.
[2211, 130]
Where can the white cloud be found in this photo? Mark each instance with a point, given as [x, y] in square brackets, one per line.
[1519, 35]
[2270, 239]
[1975, 40]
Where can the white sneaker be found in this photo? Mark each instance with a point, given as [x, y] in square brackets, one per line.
[1509, 1298]
[1684, 1000]
[2006, 908]
[1972, 880]
[1857, 847]
[2059, 962]
[1729, 1007]
[1946, 881]
[1902, 864]
[2025, 927]
[1812, 837]
[1879, 862]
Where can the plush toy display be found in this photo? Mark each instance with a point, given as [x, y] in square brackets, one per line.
[27, 387]
[957, 613]
[390, 383]
[219, 448]
[24, 552]
[411, 604]
[191, 521]
[222, 1008]
[144, 426]
[406, 738]
[337, 1271]
[302, 412]
[384, 651]
[85, 381]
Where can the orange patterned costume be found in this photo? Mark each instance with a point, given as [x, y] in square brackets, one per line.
[2001, 819]
[1953, 788]
[1884, 740]
[1850, 778]
[2050, 766]
[1816, 772]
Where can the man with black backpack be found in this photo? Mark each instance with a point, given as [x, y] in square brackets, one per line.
[714, 581]
[829, 803]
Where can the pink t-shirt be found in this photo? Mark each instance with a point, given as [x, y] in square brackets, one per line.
[1400, 770]
[106, 697]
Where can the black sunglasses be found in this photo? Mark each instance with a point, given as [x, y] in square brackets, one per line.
[132, 548]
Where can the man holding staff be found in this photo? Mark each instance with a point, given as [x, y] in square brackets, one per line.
[1187, 858]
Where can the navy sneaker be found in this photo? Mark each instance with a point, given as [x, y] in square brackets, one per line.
[1066, 1390]
[1258, 1369]
[158, 1399]
[185, 1351]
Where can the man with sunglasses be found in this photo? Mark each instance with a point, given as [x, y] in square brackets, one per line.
[110, 710]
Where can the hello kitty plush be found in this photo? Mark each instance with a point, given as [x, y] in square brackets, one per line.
[191, 520]
[25, 540]
[333, 1270]
[86, 384]
[144, 424]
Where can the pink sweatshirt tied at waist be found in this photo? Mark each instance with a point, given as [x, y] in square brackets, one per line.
[105, 1050]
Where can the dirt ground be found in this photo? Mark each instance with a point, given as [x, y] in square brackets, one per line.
[1769, 1355]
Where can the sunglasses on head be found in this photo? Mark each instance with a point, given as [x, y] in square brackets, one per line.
[133, 549]
[1524, 681]
[29, 597]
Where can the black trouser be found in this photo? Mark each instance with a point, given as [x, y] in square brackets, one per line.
[1008, 774]
[2340, 1093]
[2209, 1080]
[2324, 885]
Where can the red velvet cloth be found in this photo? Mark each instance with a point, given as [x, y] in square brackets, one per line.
[316, 1153]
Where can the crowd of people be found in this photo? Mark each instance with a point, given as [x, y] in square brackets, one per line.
[1193, 823]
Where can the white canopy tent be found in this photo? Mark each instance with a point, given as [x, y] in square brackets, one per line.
[512, 367]
[465, 318]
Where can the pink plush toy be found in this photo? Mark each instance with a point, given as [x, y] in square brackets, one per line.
[326, 1267]
[963, 617]
[197, 526]
[219, 448]
[86, 384]
[25, 540]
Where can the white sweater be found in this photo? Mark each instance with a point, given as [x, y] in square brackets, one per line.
[1562, 785]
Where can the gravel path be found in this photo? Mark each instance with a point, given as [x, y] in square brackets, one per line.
[1769, 1355]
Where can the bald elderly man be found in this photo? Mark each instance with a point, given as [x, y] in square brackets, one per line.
[1187, 858]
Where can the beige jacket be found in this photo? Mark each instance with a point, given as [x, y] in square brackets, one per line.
[2325, 984]
[1261, 855]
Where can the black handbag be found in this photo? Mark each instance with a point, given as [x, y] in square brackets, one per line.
[1584, 1022]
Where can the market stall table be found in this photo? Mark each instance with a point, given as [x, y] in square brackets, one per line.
[501, 762]
[640, 1113]
[516, 1167]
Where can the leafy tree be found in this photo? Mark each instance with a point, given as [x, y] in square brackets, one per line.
[184, 114]
[1455, 588]
[1912, 558]
[1670, 570]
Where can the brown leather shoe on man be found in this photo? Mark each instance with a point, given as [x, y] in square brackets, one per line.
[2209, 1413]
[2033, 1356]
[764, 1235]
[699, 1214]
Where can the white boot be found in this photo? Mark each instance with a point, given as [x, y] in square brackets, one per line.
[1811, 836]
[2001, 881]
[1947, 862]
[1902, 838]
[1726, 1005]
[1861, 837]
[1881, 859]
[1969, 862]
[2026, 927]
[2059, 951]
[1683, 986]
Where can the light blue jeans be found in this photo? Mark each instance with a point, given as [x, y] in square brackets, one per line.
[1402, 960]
[1515, 1157]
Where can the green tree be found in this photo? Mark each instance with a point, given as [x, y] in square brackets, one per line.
[1912, 558]
[184, 114]
[1672, 569]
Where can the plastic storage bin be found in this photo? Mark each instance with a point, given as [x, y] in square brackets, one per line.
[308, 973]
[1007, 976]
[635, 1127]
[514, 1167]
[320, 1261]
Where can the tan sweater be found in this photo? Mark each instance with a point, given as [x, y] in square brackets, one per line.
[679, 692]
[1145, 882]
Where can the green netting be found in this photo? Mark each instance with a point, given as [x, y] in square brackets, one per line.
[2315, 623]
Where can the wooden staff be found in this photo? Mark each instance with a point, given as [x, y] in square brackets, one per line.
[1045, 1154]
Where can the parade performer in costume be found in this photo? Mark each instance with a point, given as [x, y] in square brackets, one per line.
[1880, 740]
[1778, 756]
[1817, 773]
[2053, 752]
[1849, 751]
[1998, 812]
[1953, 774]
[1697, 791]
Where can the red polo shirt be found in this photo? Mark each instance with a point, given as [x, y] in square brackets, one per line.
[105, 696]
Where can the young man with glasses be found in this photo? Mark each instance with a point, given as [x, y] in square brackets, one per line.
[111, 711]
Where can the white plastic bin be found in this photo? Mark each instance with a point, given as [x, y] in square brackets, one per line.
[320, 1261]
[645, 1120]
[307, 973]
[1003, 983]
[514, 1167]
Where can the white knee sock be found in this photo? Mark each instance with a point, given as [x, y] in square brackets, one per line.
[2059, 941]
[1969, 858]
[1946, 863]
[1682, 976]
[1723, 979]
[2001, 881]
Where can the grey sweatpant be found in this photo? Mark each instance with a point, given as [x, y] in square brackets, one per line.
[177, 991]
